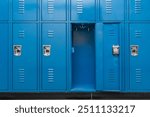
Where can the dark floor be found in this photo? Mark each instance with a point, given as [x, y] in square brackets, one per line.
[71, 96]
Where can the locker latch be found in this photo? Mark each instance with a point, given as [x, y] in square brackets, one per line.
[116, 50]
[17, 50]
[134, 50]
[46, 50]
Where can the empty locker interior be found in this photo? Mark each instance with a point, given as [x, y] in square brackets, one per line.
[74, 46]
[83, 57]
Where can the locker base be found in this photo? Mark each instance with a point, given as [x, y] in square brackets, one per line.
[94, 96]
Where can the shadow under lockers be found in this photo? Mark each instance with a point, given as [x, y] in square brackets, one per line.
[74, 46]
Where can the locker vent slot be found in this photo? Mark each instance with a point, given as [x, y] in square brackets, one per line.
[111, 32]
[79, 6]
[138, 34]
[21, 7]
[21, 75]
[138, 75]
[50, 75]
[21, 34]
[108, 6]
[112, 76]
[50, 34]
[50, 6]
[138, 6]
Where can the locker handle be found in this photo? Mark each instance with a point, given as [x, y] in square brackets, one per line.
[134, 50]
[46, 50]
[115, 50]
[17, 50]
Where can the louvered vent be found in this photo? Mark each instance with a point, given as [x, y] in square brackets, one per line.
[79, 6]
[21, 8]
[138, 6]
[108, 6]
[50, 6]
[50, 75]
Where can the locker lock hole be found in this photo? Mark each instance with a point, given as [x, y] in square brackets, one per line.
[134, 50]
[17, 50]
[116, 50]
[46, 50]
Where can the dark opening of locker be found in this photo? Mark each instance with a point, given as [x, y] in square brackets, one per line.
[83, 57]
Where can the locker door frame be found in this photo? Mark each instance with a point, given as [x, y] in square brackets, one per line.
[127, 59]
[12, 58]
[16, 17]
[99, 56]
[41, 60]
[109, 18]
[81, 19]
[46, 18]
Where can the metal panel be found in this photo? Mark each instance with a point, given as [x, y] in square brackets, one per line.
[112, 9]
[111, 57]
[4, 6]
[54, 9]
[83, 10]
[3, 56]
[139, 10]
[24, 9]
[139, 57]
[54, 56]
[24, 57]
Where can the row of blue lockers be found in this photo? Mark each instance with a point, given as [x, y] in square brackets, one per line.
[74, 10]
[58, 57]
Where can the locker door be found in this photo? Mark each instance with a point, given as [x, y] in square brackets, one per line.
[139, 57]
[112, 9]
[54, 9]
[139, 9]
[83, 10]
[24, 9]
[3, 57]
[24, 57]
[111, 56]
[54, 57]
[4, 5]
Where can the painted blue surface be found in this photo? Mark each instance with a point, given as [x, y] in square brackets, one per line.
[4, 57]
[112, 9]
[25, 66]
[35, 23]
[25, 9]
[83, 10]
[54, 10]
[111, 63]
[4, 9]
[140, 65]
[139, 10]
[54, 66]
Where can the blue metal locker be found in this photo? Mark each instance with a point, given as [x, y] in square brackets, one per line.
[139, 10]
[139, 57]
[83, 10]
[25, 9]
[108, 56]
[111, 55]
[25, 57]
[54, 57]
[4, 57]
[112, 10]
[54, 9]
[4, 6]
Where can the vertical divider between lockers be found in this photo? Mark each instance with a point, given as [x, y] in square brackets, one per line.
[10, 52]
[126, 45]
[39, 46]
[69, 44]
